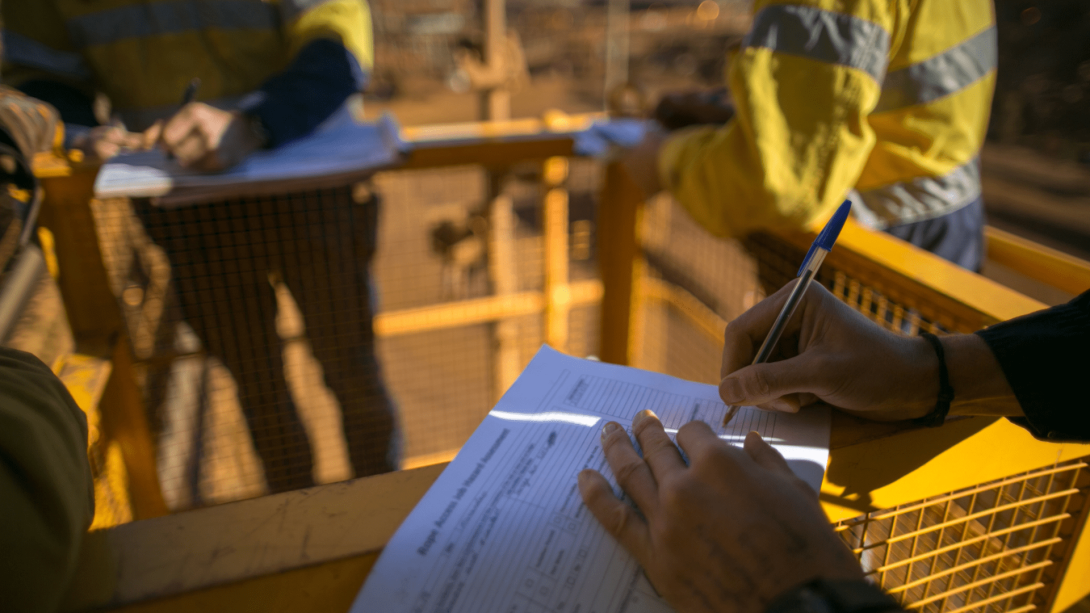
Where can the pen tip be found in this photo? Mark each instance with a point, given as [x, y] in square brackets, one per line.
[729, 415]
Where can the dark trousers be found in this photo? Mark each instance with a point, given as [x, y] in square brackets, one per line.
[320, 244]
[957, 237]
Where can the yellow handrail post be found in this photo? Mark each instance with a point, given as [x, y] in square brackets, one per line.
[504, 278]
[98, 325]
[66, 212]
[124, 416]
[617, 256]
[555, 234]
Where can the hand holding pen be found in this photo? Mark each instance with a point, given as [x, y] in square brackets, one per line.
[810, 265]
[188, 96]
[206, 138]
[832, 355]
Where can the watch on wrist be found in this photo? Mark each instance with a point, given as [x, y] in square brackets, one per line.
[829, 596]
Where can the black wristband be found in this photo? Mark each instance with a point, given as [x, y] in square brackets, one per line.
[826, 596]
[937, 416]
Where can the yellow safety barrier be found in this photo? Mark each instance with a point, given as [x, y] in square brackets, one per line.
[974, 515]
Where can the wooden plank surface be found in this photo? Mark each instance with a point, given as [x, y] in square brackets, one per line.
[198, 550]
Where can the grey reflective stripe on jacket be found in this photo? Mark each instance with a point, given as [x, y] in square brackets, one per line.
[917, 200]
[24, 51]
[144, 20]
[823, 36]
[941, 75]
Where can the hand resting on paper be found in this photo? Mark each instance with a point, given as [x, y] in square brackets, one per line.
[729, 532]
[832, 354]
[205, 138]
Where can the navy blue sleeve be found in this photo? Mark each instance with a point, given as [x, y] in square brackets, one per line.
[74, 106]
[316, 83]
[1046, 357]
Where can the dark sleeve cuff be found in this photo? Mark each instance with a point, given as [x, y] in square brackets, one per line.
[75, 107]
[834, 596]
[1045, 357]
[316, 83]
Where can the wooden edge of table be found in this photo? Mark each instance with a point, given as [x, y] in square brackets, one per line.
[312, 549]
[198, 550]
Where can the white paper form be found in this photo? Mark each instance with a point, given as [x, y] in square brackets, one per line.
[504, 528]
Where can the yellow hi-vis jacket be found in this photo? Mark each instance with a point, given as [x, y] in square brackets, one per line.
[882, 101]
[143, 53]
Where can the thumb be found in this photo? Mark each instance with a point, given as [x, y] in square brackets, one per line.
[764, 454]
[760, 384]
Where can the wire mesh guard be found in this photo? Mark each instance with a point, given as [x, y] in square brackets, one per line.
[251, 320]
[999, 546]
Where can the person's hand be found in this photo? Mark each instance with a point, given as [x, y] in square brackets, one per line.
[828, 353]
[731, 531]
[642, 161]
[206, 138]
[680, 110]
[104, 142]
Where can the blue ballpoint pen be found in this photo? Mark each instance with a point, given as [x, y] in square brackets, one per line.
[821, 247]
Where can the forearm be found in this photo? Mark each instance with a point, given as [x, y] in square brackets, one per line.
[791, 153]
[980, 387]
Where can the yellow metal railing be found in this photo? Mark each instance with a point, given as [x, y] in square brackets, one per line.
[890, 487]
[975, 516]
[1051, 267]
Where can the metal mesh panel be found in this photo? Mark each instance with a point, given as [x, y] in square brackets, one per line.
[778, 262]
[995, 547]
[443, 382]
[251, 323]
[251, 319]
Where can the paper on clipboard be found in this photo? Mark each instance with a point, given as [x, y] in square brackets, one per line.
[343, 146]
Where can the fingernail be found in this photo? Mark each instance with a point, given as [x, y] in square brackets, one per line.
[583, 476]
[730, 391]
[782, 406]
[642, 415]
[609, 428]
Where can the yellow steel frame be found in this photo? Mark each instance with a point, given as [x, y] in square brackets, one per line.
[929, 462]
[873, 466]
[1036, 261]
